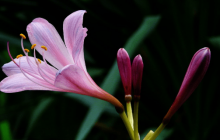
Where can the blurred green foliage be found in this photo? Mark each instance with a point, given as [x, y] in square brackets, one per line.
[166, 48]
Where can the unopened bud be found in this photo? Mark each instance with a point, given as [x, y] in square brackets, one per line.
[195, 73]
[124, 66]
[137, 72]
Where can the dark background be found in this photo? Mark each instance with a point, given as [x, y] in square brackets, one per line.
[183, 28]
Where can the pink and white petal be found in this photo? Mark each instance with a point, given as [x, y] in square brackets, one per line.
[11, 68]
[18, 82]
[74, 79]
[74, 35]
[42, 33]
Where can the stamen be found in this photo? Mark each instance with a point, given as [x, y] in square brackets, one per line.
[32, 47]
[43, 47]
[26, 50]
[27, 57]
[23, 36]
[31, 74]
[18, 56]
[51, 77]
[40, 70]
[41, 80]
[39, 60]
[47, 64]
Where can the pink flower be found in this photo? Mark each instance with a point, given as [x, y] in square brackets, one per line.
[68, 71]
[194, 74]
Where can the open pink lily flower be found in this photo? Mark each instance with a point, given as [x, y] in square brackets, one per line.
[68, 71]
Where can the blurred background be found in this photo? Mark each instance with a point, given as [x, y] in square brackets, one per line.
[166, 34]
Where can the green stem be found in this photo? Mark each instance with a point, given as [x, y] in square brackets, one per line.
[149, 135]
[136, 135]
[130, 114]
[158, 131]
[127, 125]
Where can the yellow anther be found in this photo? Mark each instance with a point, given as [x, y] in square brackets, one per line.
[39, 60]
[18, 56]
[32, 47]
[43, 47]
[23, 36]
[26, 50]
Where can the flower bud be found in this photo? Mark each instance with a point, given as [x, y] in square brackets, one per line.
[195, 73]
[124, 66]
[137, 72]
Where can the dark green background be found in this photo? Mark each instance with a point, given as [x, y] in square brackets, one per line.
[182, 28]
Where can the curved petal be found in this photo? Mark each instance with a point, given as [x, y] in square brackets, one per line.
[73, 79]
[74, 35]
[11, 69]
[42, 33]
[18, 82]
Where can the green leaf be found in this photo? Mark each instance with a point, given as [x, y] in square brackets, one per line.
[5, 131]
[215, 41]
[37, 112]
[88, 101]
[112, 80]
[162, 136]
[93, 72]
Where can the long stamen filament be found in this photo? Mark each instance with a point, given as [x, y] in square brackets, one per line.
[40, 68]
[26, 54]
[48, 67]
[24, 71]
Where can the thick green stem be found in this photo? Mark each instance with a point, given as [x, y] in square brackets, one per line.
[158, 131]
[130, 114]
[127, 125]
[149, 135]
[136, 135]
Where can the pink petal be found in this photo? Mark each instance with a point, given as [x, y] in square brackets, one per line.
[74, 35]
[73, 79]
[10, 68]
[18, 82]
[42, 33]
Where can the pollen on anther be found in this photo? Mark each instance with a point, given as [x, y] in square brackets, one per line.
[18, 56]
[23, 36]
[39, 60]
[26, 50]
[43, 47]
[32, 47]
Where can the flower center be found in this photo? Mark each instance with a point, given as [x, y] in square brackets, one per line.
[43, 72]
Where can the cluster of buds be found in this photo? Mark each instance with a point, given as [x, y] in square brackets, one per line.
[132, 75]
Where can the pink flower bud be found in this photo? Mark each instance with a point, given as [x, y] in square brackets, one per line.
[124, 66]
[195, 73]
[137, 72]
